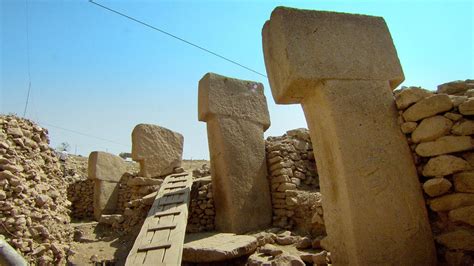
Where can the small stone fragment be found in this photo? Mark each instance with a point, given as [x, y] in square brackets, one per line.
[467, 107]
[464, 182]
[463, 214]
[463, 128]
[459, 239]
[436, 186]
[444, 145]
[409, 96]
[431, 128]
[445, 165]
[428, 107]
[451, 201]
[408, 127]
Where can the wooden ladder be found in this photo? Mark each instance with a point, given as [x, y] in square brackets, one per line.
[161, 238]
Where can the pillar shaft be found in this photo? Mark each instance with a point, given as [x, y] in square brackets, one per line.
[373, 206]
[239, 174]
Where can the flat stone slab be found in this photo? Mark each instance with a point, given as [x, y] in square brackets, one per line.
[212, 247]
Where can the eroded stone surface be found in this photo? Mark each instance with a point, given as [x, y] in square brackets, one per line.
[445, 165]
[214, 247]
[444, 145]
[431, 128]
[459, 239]
[409, 96]
[237, 115]
[463, 214]
[428, 107]
[105, 166]
[452, 201]
[157, 149]
[436, 186]
[464, 182]
[467, 107]
[353, 102]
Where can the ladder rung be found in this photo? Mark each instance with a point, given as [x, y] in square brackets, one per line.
[154, 246]
[179, 192]
[161, 227]
[173, 187]
[167, 213]
[177, 181]
[178, 175]
[172, 202]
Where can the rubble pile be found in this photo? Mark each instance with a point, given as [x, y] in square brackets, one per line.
[34, 215]
[439, 128]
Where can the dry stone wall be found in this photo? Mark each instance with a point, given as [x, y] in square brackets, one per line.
[81, 194]
[34, 210]
[294, 182]
[201, 209]
[439, 128]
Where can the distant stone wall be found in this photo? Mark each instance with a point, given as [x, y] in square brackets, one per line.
[294, 183]
[439, 128]
[80, 193]
[201, 209]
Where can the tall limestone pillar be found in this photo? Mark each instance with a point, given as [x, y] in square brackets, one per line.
[342, 69]
[237, 115]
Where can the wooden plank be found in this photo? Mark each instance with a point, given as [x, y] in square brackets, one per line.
[144, 237]
[165, 213]
[161, 236]
[178, 175]
[182, 191]
[161, 227]
[154, 247]
[172, 181]
[177, 235]
[174, 187]
[178, 200]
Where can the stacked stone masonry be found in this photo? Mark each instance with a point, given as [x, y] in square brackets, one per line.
[439, 127]
[294, 182]
[201, 209]
[34, 210]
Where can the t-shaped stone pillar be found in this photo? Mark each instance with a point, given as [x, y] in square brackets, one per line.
[342, 68]
[237, 115]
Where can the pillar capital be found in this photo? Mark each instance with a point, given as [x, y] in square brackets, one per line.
[303, 48]
[224, 96]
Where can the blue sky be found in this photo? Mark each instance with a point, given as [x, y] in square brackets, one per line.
[95, 72]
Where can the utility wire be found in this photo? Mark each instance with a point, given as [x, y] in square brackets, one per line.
[83, 134]
[27, 57]
[178, 38]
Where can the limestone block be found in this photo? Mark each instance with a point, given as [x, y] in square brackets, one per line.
[453, 116]
[459, 239]
[463, 214]
[212, 247]
[105, 197]
[105, 166]
[243, 99]
[428, 107]
[452, 201]
[437, 186]
[463, 128]
[342, 68]
[445, 165]
[237, 115]
[157, 149]
[335, 46]
[444, 145]
[467, 107]
[431, 128]
[409, 96]
[408, 127]
[464, 182]
[457, 100]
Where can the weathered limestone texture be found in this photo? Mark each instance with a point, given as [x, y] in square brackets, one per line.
[341, 68]
[445, 164]
[157, 149]
[237, 115]
[106, 170]
[201, 210]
